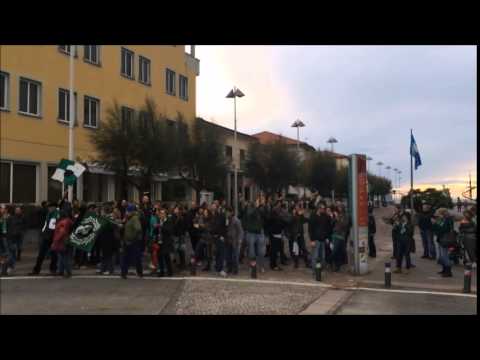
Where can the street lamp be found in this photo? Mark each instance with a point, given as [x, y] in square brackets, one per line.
[388, 169]
[379, 164]
[298, 124]
[399, 178]
[368, 163]
[332, 141]
[395, 177]
[234, 93]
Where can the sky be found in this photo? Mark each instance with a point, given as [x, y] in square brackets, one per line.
[367, 97]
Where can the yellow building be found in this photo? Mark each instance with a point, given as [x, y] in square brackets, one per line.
[34, 100]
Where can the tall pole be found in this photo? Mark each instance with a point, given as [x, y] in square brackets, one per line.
[235, 179]
[470, 186]
[411, 173]
[72, 119]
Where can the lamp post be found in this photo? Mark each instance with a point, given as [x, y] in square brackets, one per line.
[332, 141]
[234, 93]
[298, 124]
[399, 178]
[379, 164]
[388, 168]
[72, 120]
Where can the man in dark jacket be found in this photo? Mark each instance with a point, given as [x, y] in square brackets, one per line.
[145, 213]
[277, 226]
[132, 242]
[165, 240]
[17, 226]
[219, 233]
[296, 235]
[179, 229]
[425, 224]
[254, 225]
[318, 228]
[46, 241]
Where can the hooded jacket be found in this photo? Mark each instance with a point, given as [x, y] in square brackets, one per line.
[133, 230]
[62, 231]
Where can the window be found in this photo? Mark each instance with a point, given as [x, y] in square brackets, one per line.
[95, 187]
[5, 182]
[66, 49]
[228, 152]
[127, 63]
[183, 87]
[91, 54]
[30, 97]
[18, 183]
[91, 112]
[4, 86]
[170, 82]
[64, 105]
[144, 70]
[127, 117]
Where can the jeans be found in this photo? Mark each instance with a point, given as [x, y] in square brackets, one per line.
[427, 242]
[179, 245]
[256, 247]
[275, 245]
[219, 253]
[318, 252]
[403, 250]
[132, 254]
[337, 256]
[45, 244]
[232, 258]
[444, 258]
[65, 261]
[12, 252]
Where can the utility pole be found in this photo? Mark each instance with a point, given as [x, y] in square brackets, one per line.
[72, 118]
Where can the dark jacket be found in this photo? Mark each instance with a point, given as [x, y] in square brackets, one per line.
[165, 238]
[253, 219]
[179, 226]
[218, 224]
[405, 235]
[425, 220]
[234, 232]
[442, 227]
[296, 225]
[132, 230]
[16, 226]
[318, 227]
[342, 226]
[277, 222]
[108, 239]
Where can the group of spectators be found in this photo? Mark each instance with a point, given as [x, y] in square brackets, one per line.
[155, 236]
[441, 239]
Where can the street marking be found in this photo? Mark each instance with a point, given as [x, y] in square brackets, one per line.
[258, 281]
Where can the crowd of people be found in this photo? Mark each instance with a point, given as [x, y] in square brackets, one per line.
[167, 239]
[155, 236]
[441, 240]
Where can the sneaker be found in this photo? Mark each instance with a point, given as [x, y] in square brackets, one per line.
[10, 271]
[106, 273]
[262, 270]
[222, 274]
[151, 266]
[98, 271]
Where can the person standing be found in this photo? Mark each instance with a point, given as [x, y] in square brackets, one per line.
[108, 239]
[145, 213]
[297, 236]
[16, 227]
[233, 241]
[425, 225]
[468, 236]
[395, 222]
[277, 226]
[46, 241]
[443, 228]
[132, 242]
[340, 230]
[165, 242]
[59, 246]
[254, 227]
[179, 229]
[459, 205]
[318, 227]
[372, 229]
[219, 232]
[4, 253]
[405, 235]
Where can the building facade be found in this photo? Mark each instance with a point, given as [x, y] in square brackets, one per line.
[34, 110]
[247, 189]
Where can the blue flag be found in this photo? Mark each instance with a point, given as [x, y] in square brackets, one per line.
[414, 152]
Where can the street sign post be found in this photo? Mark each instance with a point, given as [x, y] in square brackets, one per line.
[358, 196]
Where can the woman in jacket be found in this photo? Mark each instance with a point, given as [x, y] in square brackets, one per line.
[443, 229]
[63, 229]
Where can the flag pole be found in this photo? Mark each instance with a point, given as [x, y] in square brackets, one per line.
[411, 171]
[72, 119]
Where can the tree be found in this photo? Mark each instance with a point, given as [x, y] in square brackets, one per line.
[321, 174]
[115, 146]
[379, 186]
[341, 182]
[202, 157]
[272, 166]
[436, 198]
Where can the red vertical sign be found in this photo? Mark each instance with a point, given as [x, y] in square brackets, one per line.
[362, 204]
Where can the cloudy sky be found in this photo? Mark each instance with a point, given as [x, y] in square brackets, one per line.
[368, 97]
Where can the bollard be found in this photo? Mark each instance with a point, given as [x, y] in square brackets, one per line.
[467, 279]
[388, 275]
[318, 270]
[253, 269]
[193, 266]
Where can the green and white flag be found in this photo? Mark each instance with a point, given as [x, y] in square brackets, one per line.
[86, 233]
[68, 171]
